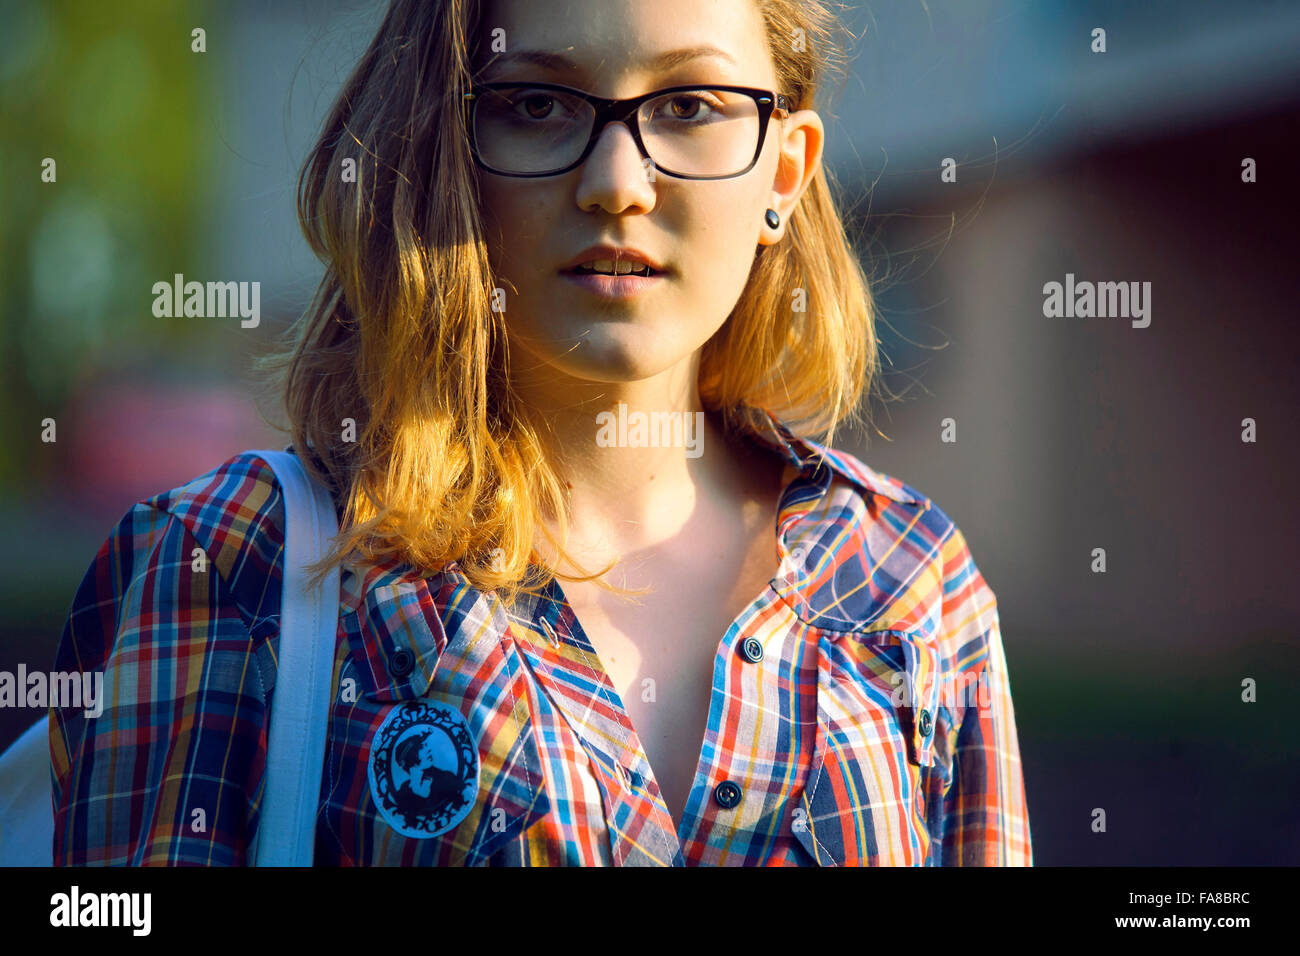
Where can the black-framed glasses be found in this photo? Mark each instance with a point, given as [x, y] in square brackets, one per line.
[689, 132]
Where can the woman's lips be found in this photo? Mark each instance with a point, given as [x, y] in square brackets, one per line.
[614, 287]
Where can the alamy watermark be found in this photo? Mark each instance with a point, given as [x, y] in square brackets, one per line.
[968, 688]
[75, 908]
[62, 689]
[1085, 300]
[651, 430]
[213, 300]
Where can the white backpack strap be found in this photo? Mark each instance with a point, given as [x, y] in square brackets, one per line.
[26, 820]
[300, 701]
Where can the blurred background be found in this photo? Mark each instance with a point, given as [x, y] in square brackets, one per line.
[1071, 433]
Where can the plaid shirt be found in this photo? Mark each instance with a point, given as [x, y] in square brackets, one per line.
[860, 715]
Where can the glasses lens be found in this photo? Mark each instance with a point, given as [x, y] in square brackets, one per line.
[704, 132]
[523, 130]
[701, 132]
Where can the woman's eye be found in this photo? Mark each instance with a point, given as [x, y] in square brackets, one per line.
[540, 101]
[542, 105]
[685, 107]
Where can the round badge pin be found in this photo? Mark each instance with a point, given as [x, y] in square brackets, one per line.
[424, 768]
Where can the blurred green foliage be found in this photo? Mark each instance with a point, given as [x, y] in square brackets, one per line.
[115, 96]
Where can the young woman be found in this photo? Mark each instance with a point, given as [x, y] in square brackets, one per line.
[603, 598]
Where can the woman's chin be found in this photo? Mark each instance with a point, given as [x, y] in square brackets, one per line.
[611, 355]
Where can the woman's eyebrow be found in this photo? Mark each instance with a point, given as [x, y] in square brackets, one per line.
[558, 62]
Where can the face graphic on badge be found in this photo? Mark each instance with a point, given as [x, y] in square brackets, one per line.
[424, 768]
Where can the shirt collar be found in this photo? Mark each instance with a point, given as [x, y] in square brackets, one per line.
[809, 456]
[392, 615]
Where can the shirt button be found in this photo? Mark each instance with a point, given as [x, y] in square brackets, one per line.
[752, 648]
[727, 794]
[925, 723]
[403, 663]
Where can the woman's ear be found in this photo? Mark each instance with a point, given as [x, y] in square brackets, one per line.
[801, 137]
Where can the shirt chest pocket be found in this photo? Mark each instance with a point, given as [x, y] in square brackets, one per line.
[883, 752]
[434, 761]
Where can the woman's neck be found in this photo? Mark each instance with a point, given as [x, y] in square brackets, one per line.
[637, 461]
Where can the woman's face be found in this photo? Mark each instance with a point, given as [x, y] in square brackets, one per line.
[704, 233]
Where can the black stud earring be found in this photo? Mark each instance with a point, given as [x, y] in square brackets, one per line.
[773, 220]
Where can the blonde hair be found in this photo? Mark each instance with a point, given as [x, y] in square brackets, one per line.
[400, 336]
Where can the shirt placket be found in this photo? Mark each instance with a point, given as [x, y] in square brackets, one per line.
[567, 668]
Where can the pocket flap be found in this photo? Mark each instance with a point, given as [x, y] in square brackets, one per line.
[878, 701]
[917, 696]
[397, 633]
[914, 688]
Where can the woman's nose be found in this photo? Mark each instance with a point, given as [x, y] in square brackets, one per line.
[616, 167]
